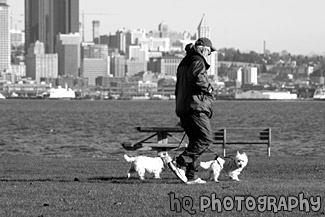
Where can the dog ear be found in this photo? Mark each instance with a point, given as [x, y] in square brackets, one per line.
[238, 153]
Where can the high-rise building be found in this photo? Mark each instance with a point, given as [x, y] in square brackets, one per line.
[5, 48]
[68, 49]
[45, 19]
[40, 65]
[164, 30]
[95, 67]
[135, 52]
[203, 28]
[96, 36]
[17, 37]
[99, 51]
[118, 66]
[250, 75]
[204, 31]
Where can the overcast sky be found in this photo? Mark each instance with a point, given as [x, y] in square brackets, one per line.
[297, 26]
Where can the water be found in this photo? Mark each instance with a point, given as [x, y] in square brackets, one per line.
[97, 128]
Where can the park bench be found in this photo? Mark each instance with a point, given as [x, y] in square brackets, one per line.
[162, 142]
[265, 136]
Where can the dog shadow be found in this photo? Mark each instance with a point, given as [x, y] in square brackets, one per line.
[132, 180]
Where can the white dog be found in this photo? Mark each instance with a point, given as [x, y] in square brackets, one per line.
[230, 166]
[142, 164]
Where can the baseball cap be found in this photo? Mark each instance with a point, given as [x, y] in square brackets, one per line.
[205, 42]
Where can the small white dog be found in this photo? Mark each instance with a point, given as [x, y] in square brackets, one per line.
[142, 164]
[230, 166]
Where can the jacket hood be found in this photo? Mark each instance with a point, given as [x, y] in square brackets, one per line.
[190, 50]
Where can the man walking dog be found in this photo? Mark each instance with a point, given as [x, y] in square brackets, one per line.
[194, 98]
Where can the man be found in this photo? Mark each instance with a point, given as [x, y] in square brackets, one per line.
[194, 108]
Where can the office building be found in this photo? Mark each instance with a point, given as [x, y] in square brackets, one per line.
[39, 64]
[134, 35]
[95, 67]
[164, 30]
[97, 51]
[5, 48]
[96, 34]
[45, 19]
[118, 66]
[165, 65]
[133, 67]
[68, 49]
[135, 52]
[155, 44]
[250, 75]
[17, 37]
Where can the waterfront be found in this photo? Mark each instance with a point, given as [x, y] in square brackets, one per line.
[97, 128]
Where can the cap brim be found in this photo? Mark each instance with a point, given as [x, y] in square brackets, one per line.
[213, 49]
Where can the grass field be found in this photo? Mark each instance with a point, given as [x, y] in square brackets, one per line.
[53, 186]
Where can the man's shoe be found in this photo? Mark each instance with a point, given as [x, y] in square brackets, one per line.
[196, 181]
[178, 172]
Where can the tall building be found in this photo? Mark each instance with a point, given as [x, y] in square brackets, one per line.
[17, 37]
[96, 35]
[68, 49]
[203, 28]
[95, 62]
[5, 48]
[164, 30]
[95, 67]
[45, 19]
[135, 52]
[250, 75]
[118, 66]
[97, 51]
[40, 65]
[204, 31]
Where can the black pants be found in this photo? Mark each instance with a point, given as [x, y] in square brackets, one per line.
[198, 129]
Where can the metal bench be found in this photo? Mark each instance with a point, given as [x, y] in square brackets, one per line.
[220, 137]
[163, 144]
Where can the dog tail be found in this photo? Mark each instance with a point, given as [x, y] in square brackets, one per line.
[128, 159]
[206, 165]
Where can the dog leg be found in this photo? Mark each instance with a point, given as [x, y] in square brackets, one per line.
[157, 175]
[216, 176]
[234, 176]
[141, 173]
[131, 170]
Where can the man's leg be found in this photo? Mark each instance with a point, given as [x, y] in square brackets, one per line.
[198, 130]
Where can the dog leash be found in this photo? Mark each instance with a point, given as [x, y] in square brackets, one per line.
[180, 143]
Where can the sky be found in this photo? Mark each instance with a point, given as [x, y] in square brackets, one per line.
[295, 26]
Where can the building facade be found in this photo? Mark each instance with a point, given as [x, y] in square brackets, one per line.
[40, 65]
[5, 47]
[96, 34]
[45, 19]
[204, 31]
[203, 28]
[118, 66]
[250, 75]
[95, 67]
[68, 49]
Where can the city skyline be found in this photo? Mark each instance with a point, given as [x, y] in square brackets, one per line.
[294, 26]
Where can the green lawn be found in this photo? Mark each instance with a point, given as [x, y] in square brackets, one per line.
[47, 186]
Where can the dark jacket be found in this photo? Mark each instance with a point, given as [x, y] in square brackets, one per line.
[193, 90]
